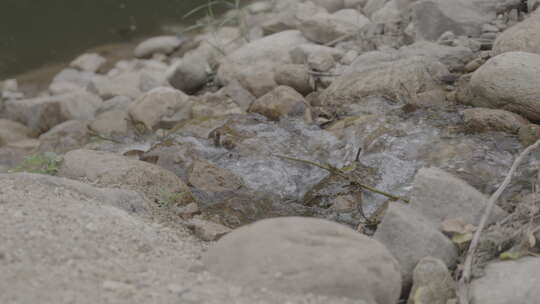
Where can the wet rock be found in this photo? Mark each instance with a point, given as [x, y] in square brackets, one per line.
[207, 231]
[438, 195]
[303, 255]
[529, 134]
[189, 74]
[432, 283]
[69, 135]
[481, 120]
[42, 113]
[385, 77]
[89, 62]
[524, 37]
[508, 81]
[295, 76]
[70, 80]
[247, 145]
[300, 54]
[279, 103]
[410, 237]
[323, 27]
[431, 18]
[253, 64]
[158, 104]
[161, 45]
[508, 282]
[12, 131]
[206, 176]
[112, 170]
[113, 123]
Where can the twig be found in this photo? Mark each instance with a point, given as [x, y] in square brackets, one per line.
[463, 287]
[340, 173]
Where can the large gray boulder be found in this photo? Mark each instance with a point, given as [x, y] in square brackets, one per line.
[42, 113]
[253, 64]
[306, 255]
[508, 282]
[439, 195]
[510, 82]
[75, 243]
[524, 37]
[380, 74]
[432, 18]
[410, 237]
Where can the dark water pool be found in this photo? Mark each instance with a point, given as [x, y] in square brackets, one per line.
[38, 32]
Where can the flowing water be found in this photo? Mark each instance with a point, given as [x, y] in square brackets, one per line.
[38, 32]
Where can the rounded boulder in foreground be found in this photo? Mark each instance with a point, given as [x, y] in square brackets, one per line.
[306, 255]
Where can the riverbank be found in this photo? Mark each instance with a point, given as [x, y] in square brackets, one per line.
[374, 130]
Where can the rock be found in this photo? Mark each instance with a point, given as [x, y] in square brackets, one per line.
[207, 231]
[295, 76]
[508, 282]
[214, 105]
[372, 6]
[70, 80]
[306, 255]
[253, 64]
[454, 57]
[355, 4]
[524, 37]
[508, 81]
[386, 76]
[189, 74]
[113, 123]
[410, 237]
[529, 134]
[289, 16]
[42, 113]
[242, 97]
[431, 18]
[161, 45]
[125, 84]
[12, 131]
[208, 177]
[90, 62]
[214, 46]
[158, 104]
[533, 5]
[330, 5]
[112, 170]
[281, 102]
[324, 28]
[300, 54]
[481, 120]
[433, 283]
[115, 103]
[438, 195]
[69, 135]
[321, 62]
